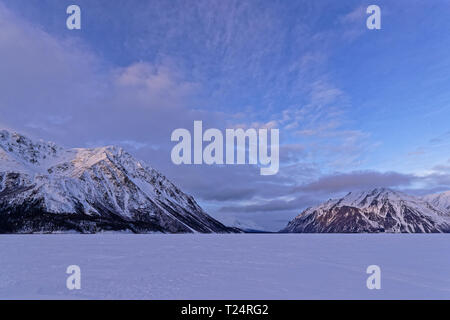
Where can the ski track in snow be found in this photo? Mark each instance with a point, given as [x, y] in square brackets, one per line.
[239, 266]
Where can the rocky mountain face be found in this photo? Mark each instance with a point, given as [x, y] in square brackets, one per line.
[439, 200]
[46, 188]
[378, 210]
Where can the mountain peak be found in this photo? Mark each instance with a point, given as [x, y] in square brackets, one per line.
[378, 191]
[376, 210]
[439, 200]
[46, 188]
[366, 198]
[17, 150]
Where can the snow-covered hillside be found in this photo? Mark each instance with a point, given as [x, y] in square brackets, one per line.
[439, 200]
[46, 188]
[378, 210]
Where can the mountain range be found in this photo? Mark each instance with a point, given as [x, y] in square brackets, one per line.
[45, 188]
[375, 211]
[49, 189]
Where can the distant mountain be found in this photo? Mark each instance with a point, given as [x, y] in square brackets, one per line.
[439, 200]
[378, 210]
[46, 188]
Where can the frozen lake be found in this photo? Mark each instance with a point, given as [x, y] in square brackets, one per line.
[241, 266]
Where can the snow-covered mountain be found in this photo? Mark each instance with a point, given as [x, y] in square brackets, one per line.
[378, 210]
[46, 188]
[439, 200]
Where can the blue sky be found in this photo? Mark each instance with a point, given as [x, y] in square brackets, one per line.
[356, 108]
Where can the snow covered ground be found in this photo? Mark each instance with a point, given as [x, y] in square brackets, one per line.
[240, 266]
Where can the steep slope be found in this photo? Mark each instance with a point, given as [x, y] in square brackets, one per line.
[378, 210]
[45, 188]
[439, 200]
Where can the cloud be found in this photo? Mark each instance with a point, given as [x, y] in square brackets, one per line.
[297, 196]
[441, 138]
[149, 83]
[359, 180]
[41, 78]
[357, 15]
[58, 89]
[272, 206]
[353, 24]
